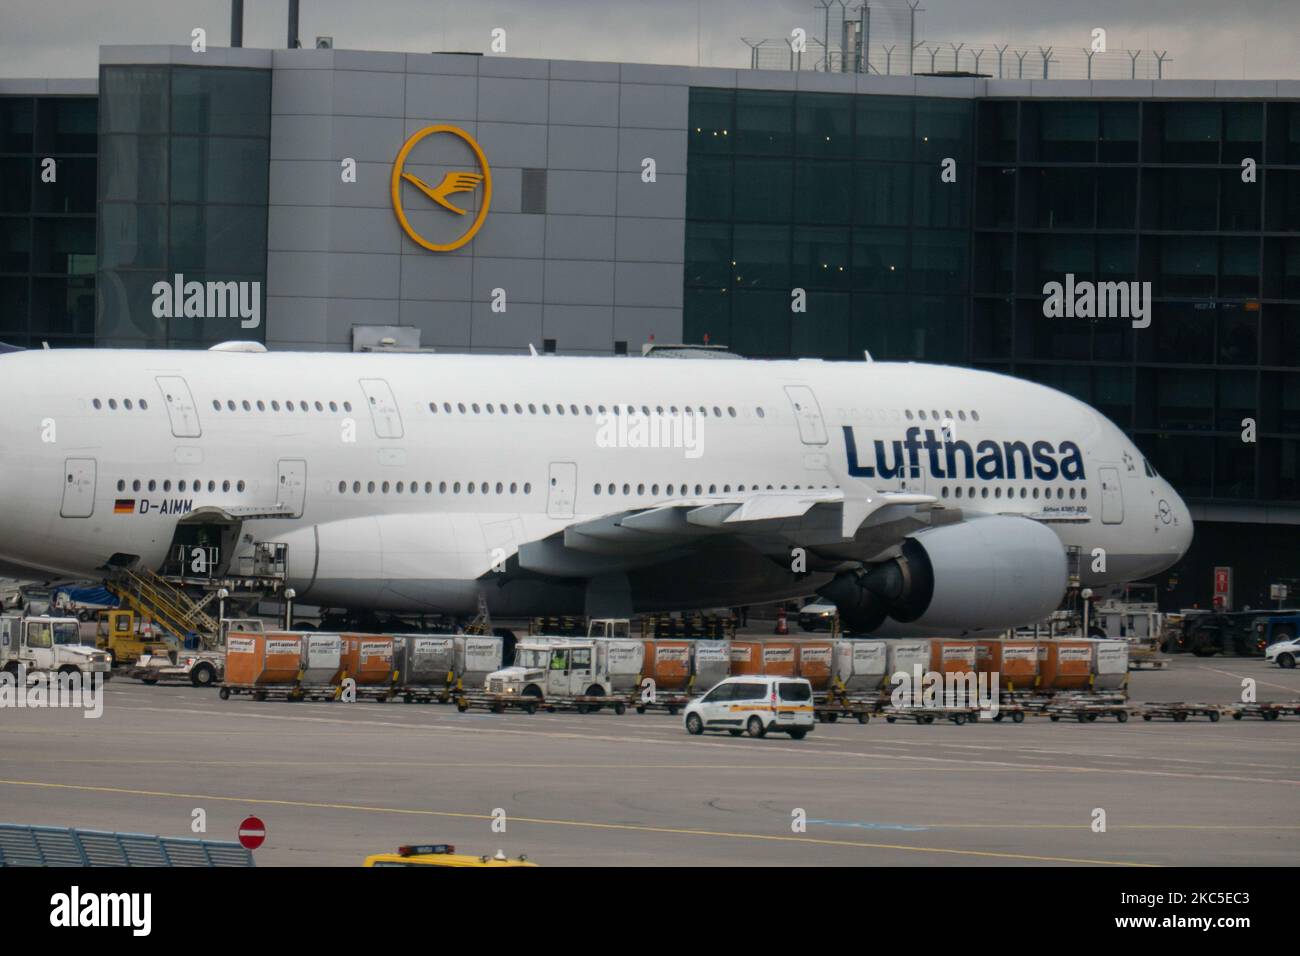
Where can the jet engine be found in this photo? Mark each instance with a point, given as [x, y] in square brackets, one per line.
[990, 572]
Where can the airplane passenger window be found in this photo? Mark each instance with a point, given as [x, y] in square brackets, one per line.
[320, 407]
[713, 489]
[384, 487]
[275, 406]
[669, 490]
[1083, 493]
[135, 485]
[1072, 493]
[975, 415]
[474, 406]
[153, 485]
[997, 492]
[370, 487]
[532, 409]
[343, 486]
[586, 409]
[519, 409]
[958, 492]
[225, 486]
[97, 403]
[731, 411]
[347, 406]
[433, 407]
[180, 486]
[908, 414]
[984, 492]
[112, 403]
[627, 489]
[401, 486]
[528, 487]
[961, 415]
[247, 407]
[513, 487]
[761, 413]
[1035, 492]
[573, 409]
[356, 487]
[491, 409]
[595, 488]
[559, 408]
[121, 485]
[460, 407]
[428, 487]
[446, 407]
[699, 489]
[654, 489]
[261, 405]
[640, 489]
[500, 487]
[717, 412]
[505, 409]
[167, 485]
[442, 487]
[216, 405]
[288, 406]
[944, 492]
[334, 407]
[455, 488]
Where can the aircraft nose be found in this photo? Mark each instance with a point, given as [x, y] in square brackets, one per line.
[1179, 523]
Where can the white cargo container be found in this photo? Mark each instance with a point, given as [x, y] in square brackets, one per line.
[322, 659]
[1109, 664]
[861, 665]
[712, 663]
[476, 657]
[421, 660]
[906, 654]
[624, 658]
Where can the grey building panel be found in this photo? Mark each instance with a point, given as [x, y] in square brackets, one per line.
[576, 103]
[1008, 88]
[650, 240]
[363, 276]
[768, 80]
[371, 188]
[655, 73]
[1122, 88]
[295, 321]
[301, 137]
[360, 230]
[1046, 88]
[442, 325]
[572, 192]
[513, 144]
[1190, 89]
[506, 187]
[510, 67]
[428, 275]
[302, 92]
[580, 237]
[956, 87]
[585, 70]
[1245, 89]
[648, 283]
[885, 85]
[665, 198]
[579, 327]
[440, 97]
[505, 100]
[342, 314]
[512, 329]
[522, 280]
[570, 282]
[364, 138]
[636, 324]
[369, 60]
[667, 147]
[359, 93]
[302, 182]
[296, 274]
[532, 191]
[815, 82]
[582, 147]
[1288, 89]
[306, 58]
[511, 235]
[298, 228]
[452, 64]
[653, 106]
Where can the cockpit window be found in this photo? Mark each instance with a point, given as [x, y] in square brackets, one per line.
[1151, 472]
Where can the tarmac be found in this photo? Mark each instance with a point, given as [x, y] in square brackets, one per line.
[335, 782]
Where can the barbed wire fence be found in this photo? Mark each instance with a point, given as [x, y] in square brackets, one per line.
[880, 37]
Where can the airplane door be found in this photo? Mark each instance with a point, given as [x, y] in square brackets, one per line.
[1112, 496]
[383, 408]
[291, 485]
[180, 406]
[78, 488]
[807, 414]
[560, 489]
[912, 478]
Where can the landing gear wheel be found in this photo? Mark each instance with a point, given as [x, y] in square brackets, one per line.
[694, 725]
[754, 727]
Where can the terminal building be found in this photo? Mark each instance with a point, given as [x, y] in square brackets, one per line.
[479, 203]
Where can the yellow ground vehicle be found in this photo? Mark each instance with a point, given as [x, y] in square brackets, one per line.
[125, 636]
[440, 854]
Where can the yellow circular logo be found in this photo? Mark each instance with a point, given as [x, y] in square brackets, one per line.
[456, 181]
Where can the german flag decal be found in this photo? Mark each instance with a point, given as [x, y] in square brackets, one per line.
[124, 506]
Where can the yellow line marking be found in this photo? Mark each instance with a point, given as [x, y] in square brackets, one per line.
[584, 824]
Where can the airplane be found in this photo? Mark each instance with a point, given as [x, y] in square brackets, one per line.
[919, 498]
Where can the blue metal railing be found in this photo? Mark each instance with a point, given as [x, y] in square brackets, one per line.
[22, 845]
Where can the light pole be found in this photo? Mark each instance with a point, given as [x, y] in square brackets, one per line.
[289, 595]
[1086, 594]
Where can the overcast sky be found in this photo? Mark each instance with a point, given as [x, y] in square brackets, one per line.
[1222, 39]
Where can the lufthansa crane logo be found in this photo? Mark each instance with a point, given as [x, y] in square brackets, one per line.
[445, 193]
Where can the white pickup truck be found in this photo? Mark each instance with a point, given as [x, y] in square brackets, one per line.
[48, 644]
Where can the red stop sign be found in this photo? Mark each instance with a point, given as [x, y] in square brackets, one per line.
[252, 833]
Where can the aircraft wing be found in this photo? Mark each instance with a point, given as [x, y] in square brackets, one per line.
[771, 520]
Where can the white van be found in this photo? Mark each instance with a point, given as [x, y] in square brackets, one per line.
[754, 705]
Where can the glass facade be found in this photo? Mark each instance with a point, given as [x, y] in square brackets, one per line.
[184, 172]
[1152, 191]
[842, 195]
[47, 220]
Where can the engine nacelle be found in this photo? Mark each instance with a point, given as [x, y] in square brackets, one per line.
[985, 573]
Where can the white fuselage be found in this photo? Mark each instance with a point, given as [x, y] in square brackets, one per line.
[405, 480]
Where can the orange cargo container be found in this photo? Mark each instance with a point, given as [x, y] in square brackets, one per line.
[667, 663]
[816, 662]
[368, 658]
[780, 658]
[746, 658]
[1015, 663]
[263, 659]
[952, 657]
[1065, 665]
